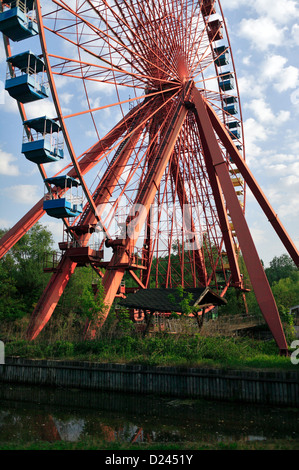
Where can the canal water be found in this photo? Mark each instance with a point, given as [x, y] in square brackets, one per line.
[45, 414]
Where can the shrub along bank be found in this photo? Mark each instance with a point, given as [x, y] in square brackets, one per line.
[159, 350]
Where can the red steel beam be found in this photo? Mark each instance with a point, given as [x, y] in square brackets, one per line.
[253, 185]
[256, 272]
[88, 160]
[145, 198]
[58, 109]
[222, 213]
[50, 297]
[13, 235]
[184, 200]
[106, 186]
[59, 280]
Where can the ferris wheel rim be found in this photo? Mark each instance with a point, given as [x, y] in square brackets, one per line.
[211, 47]
[58, 106]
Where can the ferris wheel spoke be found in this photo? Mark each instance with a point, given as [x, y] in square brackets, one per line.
[116, 44]
[133, 38]
[111, 64]
[111, 177]
[179, 144]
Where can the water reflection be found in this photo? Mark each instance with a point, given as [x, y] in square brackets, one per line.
[34, 414]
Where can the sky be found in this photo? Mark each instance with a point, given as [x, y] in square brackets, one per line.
[264, 36]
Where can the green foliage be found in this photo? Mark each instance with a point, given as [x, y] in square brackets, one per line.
[11, 305]
[281, 267]
[22, 281]
[160, 350]
[286, 291]
[235, 303]
[124, 324]
[95, 443]
[21, 273]
[89, 305]
[283, 278]
[181, 302]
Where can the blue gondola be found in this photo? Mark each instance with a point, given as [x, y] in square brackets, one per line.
[231, 109]
[235, 134]
[46, 149]
[233, 124]
[226, 75]
[222, 56]
[17, 21]
[60, 208]
[27, 84]
[230, 99]
[227, 85]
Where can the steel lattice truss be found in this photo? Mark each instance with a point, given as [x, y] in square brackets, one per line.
[165, 188]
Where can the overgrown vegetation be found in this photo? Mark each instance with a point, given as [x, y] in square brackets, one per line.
[159, 350]
[22, 281]
[97, 444]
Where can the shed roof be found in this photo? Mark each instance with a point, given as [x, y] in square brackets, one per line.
[157, 300]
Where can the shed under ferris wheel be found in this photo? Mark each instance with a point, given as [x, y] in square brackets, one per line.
[175, 160]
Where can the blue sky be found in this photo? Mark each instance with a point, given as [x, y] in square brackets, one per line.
[264, 36]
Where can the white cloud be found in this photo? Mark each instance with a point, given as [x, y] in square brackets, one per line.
[280, 11]
[254, 133]
[233, 4]
[295, 34]
[258, 234]
[7, 167]
[249, 86]
[55, 227]
[247, 60]
[4, 223]
[40, 108]
[264, 113]
[2, 53]
[23, 193]
[284, 78]
[10, 104]
[105, 89]
[66, 98]
[291, 180]
[262, 32]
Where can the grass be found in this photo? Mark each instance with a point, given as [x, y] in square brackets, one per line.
[93, 444]
[160, 350]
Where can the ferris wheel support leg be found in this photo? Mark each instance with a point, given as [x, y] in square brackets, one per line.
[256, 272]
[224, 224]
[253, 186]
[50, 297]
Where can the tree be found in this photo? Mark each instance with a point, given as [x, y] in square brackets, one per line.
[21, 272]
[92, 306]
[286, 292]
[281, 267]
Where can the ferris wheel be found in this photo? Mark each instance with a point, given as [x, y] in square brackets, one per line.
[160, 193]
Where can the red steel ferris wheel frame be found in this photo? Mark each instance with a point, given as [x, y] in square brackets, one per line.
[191, 102]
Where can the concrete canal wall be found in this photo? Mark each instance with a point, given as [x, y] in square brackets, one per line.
[271, 387]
